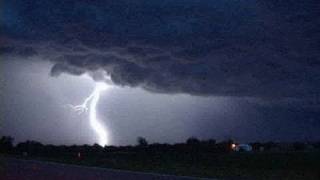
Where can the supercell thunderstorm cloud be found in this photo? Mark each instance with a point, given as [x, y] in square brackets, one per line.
[218, 69]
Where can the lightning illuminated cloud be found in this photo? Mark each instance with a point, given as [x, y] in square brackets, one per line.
[95, 123]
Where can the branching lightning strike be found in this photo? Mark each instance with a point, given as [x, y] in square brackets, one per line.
[93, 99]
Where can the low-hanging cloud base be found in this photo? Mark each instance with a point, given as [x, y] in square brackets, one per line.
[267, 49]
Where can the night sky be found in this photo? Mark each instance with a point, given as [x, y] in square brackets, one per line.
[242, 69]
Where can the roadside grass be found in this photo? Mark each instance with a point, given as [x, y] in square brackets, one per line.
[262, 165]
[1, 167]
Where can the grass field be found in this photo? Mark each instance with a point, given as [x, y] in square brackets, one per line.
[266, 165]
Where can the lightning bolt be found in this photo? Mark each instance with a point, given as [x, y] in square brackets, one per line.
[95, 123]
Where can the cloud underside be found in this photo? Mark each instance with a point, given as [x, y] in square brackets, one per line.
[221, 48]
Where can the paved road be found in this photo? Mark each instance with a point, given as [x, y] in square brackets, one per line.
[13, 169]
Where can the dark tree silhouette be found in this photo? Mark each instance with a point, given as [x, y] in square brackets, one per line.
[30, 147]
[6, 144]
[192, 147]
[193, 141]
[142, 142]
[211, 142]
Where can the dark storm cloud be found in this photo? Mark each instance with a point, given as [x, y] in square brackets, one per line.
[228, 48]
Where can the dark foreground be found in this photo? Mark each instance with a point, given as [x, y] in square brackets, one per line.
[12, 168]
[243, 166]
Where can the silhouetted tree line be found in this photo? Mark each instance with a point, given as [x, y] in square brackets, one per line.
[6, 144]
[193, 145]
